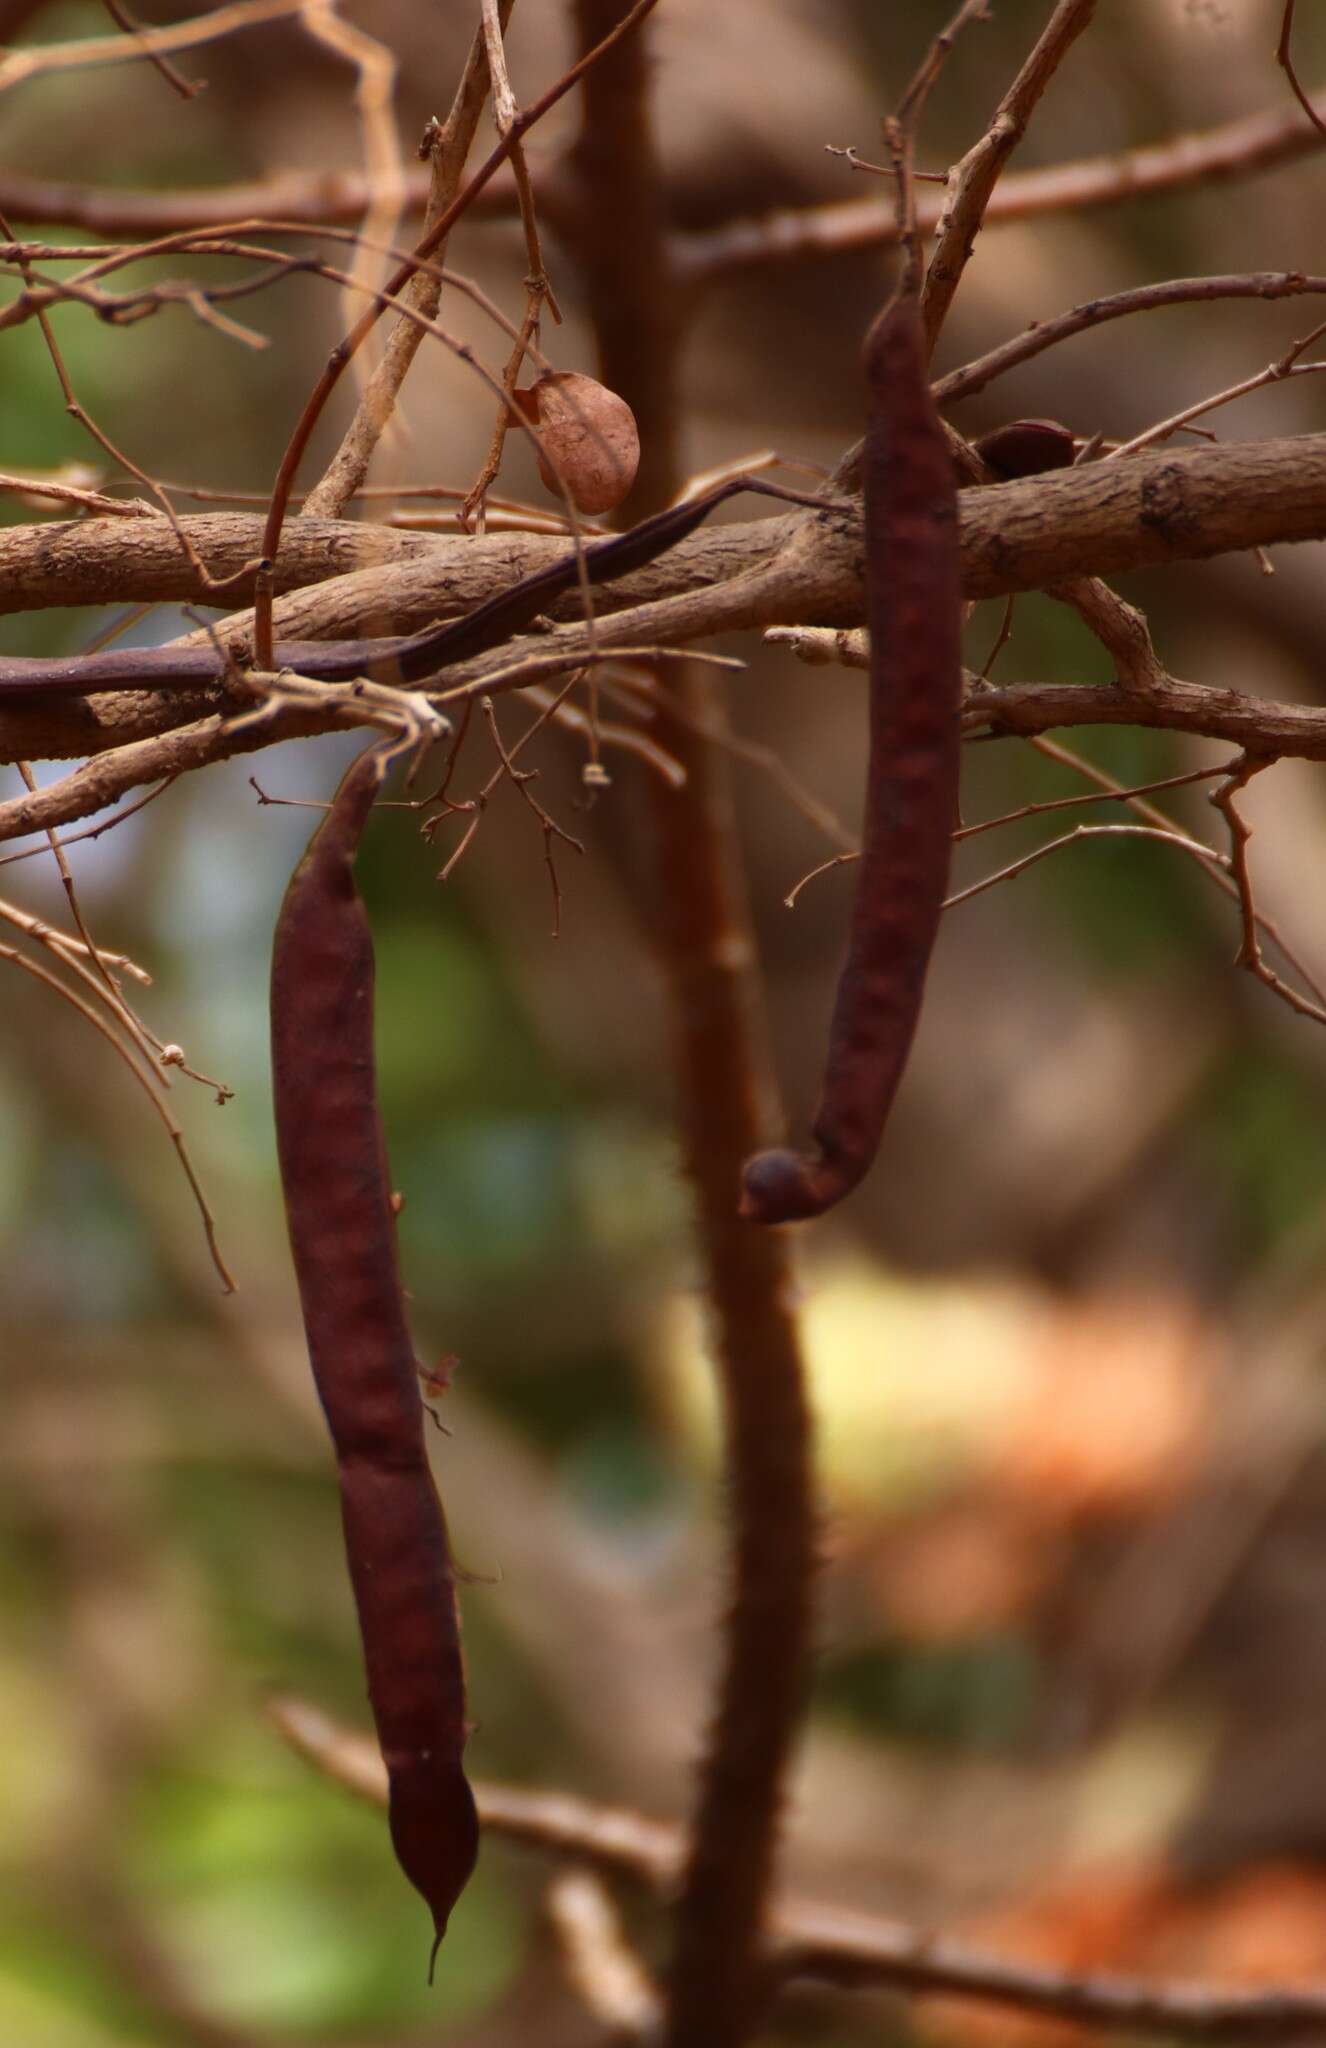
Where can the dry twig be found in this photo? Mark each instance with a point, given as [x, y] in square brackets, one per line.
[829, 1943]
[972, 182]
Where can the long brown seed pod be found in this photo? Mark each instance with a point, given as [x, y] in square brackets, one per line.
[343, 1235]
[914, 610]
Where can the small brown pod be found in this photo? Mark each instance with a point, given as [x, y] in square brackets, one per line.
[1026, 448]
[589, 435]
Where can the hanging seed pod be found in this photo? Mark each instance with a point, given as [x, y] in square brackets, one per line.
[914, 610]
[343, 1235]
[589, 435]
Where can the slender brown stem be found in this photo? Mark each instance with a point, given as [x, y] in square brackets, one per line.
[830, 1943]
[1145, 298]
[725, 1108]
[349, 465]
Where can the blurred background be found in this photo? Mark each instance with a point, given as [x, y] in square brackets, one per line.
[1066, 1340]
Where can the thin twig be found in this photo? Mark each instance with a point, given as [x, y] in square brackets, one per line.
[830, 1943]
[1283, 367]
[1169, 837]
[186, 88]
[1146, 298]
[95, 832]
[84, 419]
[17, 65]
[74, 494]
[599, 1961]
[1250, 954]
[384, 168]
[972, 181]
[148, 1081]
[521, 779]
[538, 290]
[449, 149]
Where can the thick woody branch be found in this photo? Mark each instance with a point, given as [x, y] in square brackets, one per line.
[1159, 506]
[1163, 505]
[92, 561]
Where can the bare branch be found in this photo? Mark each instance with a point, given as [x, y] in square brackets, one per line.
[448, 154]
[1146, 298]
[1256, 143]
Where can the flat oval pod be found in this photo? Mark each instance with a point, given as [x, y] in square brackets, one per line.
[590, 434]
[914, 611]
[1027, 448]
[342, 1224]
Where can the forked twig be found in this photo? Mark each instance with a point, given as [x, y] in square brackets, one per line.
[972, 181]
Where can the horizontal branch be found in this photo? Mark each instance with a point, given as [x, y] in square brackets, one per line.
[1160, 506]
[829, 1943]
[1163, 505]
[1255, 143]
[71, 562]
[1236, 148]
[1159, 700]
[1252, 724]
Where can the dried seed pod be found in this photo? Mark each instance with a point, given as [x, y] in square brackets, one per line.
[343, 1235]
[1026, 447]
[589, 434]
[914, 610]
